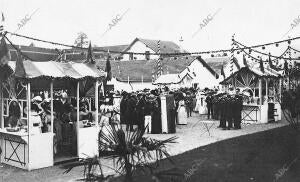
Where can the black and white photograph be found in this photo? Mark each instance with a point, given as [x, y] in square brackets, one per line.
[149, 91]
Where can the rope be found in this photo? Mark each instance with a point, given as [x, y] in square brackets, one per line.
[264, 53]
[170, 54]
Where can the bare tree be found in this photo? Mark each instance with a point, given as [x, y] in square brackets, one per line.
[81, 40]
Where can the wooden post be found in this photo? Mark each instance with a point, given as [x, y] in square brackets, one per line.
[29, 128]
[1, 109]
[51, 97]
[97, 101]
[77, 122]
[29, 125]
[260, 91]
[267, 89]
[280, 90]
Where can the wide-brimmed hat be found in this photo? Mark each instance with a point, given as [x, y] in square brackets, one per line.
[64, 95]
[47, 100]
[37, 99]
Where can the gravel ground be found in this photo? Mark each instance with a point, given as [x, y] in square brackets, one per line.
[190, 136]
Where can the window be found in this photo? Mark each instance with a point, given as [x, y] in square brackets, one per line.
[131, 56]
[147, 55]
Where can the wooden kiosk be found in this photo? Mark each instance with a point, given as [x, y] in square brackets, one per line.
[24, 146]
[262, 88]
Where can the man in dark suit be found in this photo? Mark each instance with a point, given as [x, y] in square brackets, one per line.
[238, 109]
[208, 101]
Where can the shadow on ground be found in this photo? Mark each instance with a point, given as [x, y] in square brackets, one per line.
[272, 155]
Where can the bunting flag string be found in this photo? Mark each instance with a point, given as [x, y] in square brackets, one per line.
[294, 49]
[175, 54]
[257, 60]
[262, 53]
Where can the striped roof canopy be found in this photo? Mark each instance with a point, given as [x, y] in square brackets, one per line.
[59, 70]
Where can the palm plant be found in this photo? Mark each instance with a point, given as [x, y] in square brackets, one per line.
[90, 173]
[130, 152]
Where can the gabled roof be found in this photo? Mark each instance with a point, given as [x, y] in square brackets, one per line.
[209, 67]
[165, 46]
[216, 63]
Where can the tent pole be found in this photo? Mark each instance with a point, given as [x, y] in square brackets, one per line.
[29, 128]
[51, 95]
[1, 109]
[77, 122]
[97, 101]
[280, 90]
[260, 91]
[29, 108]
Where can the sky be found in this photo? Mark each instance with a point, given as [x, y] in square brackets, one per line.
[202, 24]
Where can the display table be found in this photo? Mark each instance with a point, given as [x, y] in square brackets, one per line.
[88, 141]
[253, 113]
[277, 112]
[24, 151]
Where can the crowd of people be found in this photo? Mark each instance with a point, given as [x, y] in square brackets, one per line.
[226, 107]
[131, 108]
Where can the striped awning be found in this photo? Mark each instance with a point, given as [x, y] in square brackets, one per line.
[59, 70]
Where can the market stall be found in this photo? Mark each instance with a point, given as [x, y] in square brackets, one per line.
[25, 140]
[261, 88]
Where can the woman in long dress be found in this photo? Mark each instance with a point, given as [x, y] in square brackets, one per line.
[181, 113]
[202, 109]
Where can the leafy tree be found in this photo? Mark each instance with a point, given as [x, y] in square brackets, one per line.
[81, 40]
[290, 101]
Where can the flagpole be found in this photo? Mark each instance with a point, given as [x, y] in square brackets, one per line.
[2, 25]
[232, 55]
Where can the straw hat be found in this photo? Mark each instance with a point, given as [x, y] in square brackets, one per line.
[64, 95]
[37, 98]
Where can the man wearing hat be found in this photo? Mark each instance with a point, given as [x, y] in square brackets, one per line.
[64, 109]
[209, 105]
[238, 109]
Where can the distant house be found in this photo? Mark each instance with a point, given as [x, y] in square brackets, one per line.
[148, 47]
[217, 63]
[184, 71]
[137, 75]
